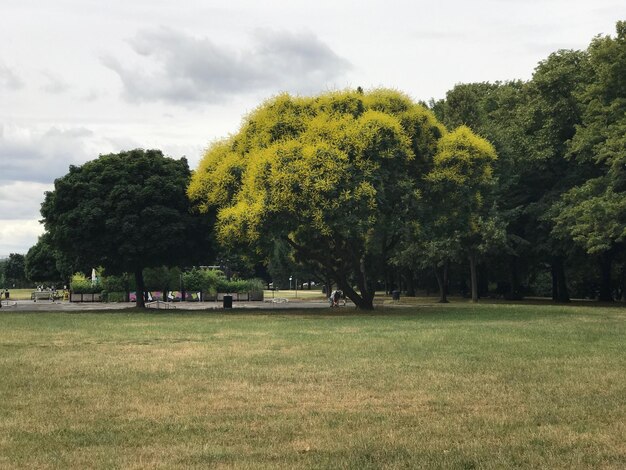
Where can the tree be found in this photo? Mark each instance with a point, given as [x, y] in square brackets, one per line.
[593, 214]
[462, 177]
[530, 125]
[495, 112]
[162, 279]
[336, 177]
[41, 262]
[14, 270]
[125, 212]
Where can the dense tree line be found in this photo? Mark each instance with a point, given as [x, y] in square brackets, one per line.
[12, 271]
[342, 180]
[502, 189]
[395, 196]
[561, 143]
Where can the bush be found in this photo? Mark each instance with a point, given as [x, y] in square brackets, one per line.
[256, 286]
[115, 283]
[79, 284]
[208, 281]
[114, 296]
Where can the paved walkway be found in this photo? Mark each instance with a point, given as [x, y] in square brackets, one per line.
[65, 306]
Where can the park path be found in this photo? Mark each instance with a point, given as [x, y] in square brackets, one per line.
[65, 306]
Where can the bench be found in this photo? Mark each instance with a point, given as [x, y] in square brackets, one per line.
[42, 295]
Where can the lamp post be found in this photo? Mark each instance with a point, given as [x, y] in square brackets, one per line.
[290, 278]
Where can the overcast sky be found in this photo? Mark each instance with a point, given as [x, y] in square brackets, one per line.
[83, 77]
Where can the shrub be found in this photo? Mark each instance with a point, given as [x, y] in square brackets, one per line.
[79, 284]
[208, 281]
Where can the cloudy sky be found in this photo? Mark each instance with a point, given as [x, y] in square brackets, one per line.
[83, 77]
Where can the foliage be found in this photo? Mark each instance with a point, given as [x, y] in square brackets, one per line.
[125, 211]
[335, 176]
[529, 124]
[80, 284]
[593, 215]
[162, 278]
[255, 286]
[41, 262]
[117, 283]
[205, 280]
[3, 280]
[461, 184]
[15, 270]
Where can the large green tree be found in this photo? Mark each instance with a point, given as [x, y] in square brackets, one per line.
[336, 177]
[14, 270]
[593, 214]
[125, 212]
[494, 111]
[530, 125]
[461, 179]
[41, 262]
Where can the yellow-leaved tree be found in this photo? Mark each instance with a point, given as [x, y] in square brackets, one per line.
[336, 176]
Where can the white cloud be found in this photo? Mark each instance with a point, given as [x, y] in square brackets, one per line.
[54, 84]
[9, 79]
[22, 199]
[179, 68]
[30, 154]
[16, 236]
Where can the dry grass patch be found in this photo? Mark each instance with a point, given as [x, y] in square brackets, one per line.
[456, 387]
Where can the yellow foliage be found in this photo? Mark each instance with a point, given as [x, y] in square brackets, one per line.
[314, 162]
[463, 158]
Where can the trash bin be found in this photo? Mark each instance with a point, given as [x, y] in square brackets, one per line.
[395, 295]
[228, 301]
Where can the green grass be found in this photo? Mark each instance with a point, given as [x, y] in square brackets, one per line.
[456, 386]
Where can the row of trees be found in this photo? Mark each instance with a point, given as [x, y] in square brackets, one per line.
[561, 142]
[500, 181]
[12, 271]
[363, 185]
[345, 180]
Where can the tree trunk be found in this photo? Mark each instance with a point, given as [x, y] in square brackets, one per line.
[365, 300]
[362, 302]
[140, 288]
[555, 284]
[442, 281]
[623, 283]
[559, 285]
[483, 280]
[367, 292]
[606, 263]
[514, 293]
[410, 283]
[473, 277]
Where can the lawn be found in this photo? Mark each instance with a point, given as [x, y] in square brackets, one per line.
[457, 386]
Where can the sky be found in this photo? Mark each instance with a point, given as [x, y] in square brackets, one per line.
[80, 78]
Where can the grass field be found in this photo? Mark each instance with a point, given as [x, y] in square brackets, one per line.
[457, 386]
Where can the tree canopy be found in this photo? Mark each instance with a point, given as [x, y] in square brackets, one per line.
[125, 212]
[41, 262]
[337, 176]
